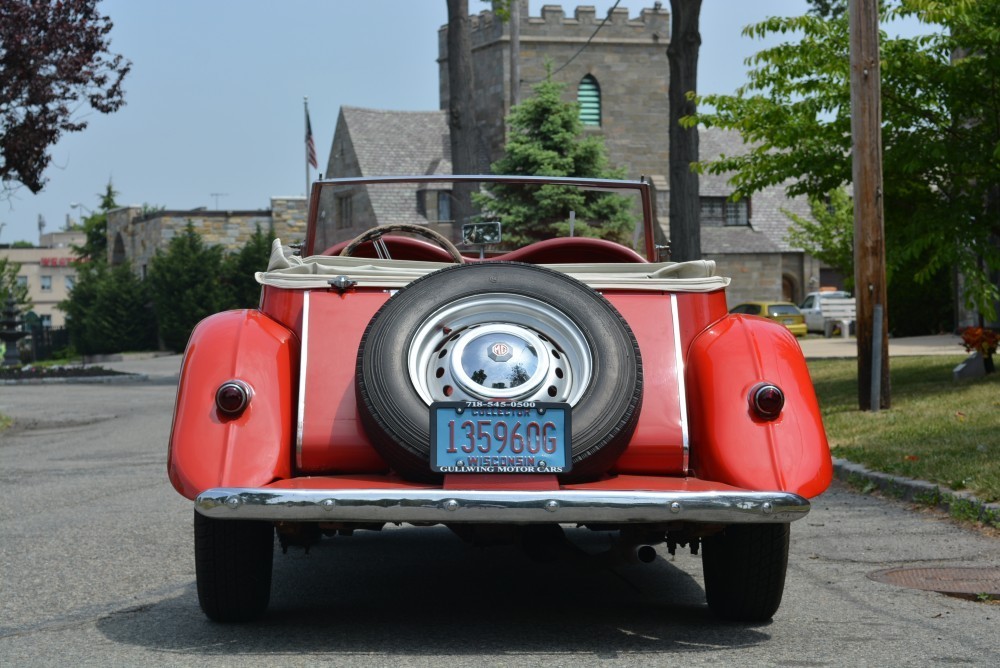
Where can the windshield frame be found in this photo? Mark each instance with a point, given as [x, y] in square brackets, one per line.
[641, 186]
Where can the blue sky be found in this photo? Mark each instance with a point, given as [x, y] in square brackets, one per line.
[213, 112]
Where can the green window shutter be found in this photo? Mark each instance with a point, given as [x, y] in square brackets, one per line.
[589, 97]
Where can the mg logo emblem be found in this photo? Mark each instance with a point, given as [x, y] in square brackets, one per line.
[500, 352]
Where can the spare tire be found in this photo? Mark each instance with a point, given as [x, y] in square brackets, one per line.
[582, 353]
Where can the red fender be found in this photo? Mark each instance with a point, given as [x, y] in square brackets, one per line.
[729, 442]
[209, 449]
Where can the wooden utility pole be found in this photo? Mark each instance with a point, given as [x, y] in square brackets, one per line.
[869, 227]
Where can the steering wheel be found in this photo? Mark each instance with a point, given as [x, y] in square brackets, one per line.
[375, 236]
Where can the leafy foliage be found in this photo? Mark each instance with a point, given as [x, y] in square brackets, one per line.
[54, 59]
[95, 229]
[829, 234]
[546, 139]
[9, 285]
[941, 118]
[828, 9]
[185, 282]
[109, 310]
[238, 270]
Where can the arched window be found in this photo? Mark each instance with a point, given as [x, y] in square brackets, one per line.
[118, 251]
[589, 96]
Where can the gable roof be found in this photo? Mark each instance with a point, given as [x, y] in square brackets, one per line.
[389, 143]
[768, 231]
[399, 142]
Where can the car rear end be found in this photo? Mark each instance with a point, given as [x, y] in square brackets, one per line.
[492, 397]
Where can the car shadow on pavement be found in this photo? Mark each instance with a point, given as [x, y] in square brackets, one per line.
[424, 592]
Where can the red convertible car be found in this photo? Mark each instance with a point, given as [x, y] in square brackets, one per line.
[396, 379]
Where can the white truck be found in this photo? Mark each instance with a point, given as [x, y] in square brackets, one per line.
[828, 311]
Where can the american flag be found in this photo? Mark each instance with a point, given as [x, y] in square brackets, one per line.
[310, 144]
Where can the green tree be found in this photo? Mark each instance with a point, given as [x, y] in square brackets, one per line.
[9, 285]
[829, 234]
[546, 139]
[54, 63]
[95, 229]
[185, 283]
[238, 270]
[941, 162]
[109, 310]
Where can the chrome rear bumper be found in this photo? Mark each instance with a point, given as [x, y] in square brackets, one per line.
[499, 507]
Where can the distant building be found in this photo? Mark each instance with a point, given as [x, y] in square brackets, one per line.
[47, 271]
[134, 237]
[377, 142]
[618, 72]
[748, 238]
[620, 76]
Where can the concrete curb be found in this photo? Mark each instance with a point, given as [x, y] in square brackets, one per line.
[960, 505]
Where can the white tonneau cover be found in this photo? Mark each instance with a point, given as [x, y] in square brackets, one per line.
[286, 270]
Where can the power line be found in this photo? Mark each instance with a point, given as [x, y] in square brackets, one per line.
[586, 44]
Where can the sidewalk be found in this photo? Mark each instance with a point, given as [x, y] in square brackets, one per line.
[814, 347]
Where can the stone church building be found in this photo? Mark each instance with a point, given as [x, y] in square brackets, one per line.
[619, 74]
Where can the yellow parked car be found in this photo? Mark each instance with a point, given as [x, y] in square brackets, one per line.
[786, 313]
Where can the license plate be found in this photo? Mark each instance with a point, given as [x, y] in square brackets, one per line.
[788, 321]
[500, 437]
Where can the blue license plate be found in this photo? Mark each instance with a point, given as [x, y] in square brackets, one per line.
[500, 437]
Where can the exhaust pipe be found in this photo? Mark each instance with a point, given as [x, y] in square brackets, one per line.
[643, 554]
[630, 553]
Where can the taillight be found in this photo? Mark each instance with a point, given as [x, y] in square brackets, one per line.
[233, 397]
[766, 400]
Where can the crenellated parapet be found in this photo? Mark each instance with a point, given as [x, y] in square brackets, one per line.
[652, 23]
[624, 60]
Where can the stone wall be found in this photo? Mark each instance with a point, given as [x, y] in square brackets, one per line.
[628, 57]
[135, 238]
[765, 276]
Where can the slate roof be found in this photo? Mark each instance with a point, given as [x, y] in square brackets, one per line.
[768, 224]
[398, 142]
[417, 142]
[390, 143]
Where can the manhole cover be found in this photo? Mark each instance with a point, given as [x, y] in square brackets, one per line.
[955, 581]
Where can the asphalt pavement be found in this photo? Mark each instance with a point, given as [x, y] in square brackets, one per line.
[97, 569]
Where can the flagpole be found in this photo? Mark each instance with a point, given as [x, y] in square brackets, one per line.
[305, 104]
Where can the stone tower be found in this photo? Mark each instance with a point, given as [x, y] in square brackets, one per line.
[620, 73]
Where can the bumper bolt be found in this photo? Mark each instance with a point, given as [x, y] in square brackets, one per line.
[767, 508]
[327, 504]
[234, 502]
[552, 506]
[451, 505]
[675, 507]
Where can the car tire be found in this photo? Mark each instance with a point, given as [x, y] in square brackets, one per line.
[233, 562]
[605, 407]
[744, 567]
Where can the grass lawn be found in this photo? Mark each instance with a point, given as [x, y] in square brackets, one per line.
[938, 430]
